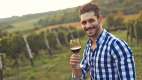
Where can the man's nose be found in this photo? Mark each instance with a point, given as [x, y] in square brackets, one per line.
[88, 24]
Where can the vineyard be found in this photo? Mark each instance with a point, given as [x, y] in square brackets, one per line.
[36, 46]
[40, 54]
[20, 50]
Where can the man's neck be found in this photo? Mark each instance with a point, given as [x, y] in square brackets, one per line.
[94, 38]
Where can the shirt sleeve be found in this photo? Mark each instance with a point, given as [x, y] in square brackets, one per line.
[124, 60]
[84, 65]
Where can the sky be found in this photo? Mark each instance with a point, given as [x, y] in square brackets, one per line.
[10, 8]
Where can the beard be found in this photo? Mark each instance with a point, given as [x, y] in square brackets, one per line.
[94, 32]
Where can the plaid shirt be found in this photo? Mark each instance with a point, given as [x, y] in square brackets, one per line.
[112, 59]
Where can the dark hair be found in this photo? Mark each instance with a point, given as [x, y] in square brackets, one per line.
[90, 7]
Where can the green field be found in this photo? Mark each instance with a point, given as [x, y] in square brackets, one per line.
[57, 67]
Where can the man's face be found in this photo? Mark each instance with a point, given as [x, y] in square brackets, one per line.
[90, 24]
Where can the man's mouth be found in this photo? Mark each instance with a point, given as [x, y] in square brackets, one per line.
[93, 27]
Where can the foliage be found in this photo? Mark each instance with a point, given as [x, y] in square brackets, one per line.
[62, 17]
[115, 22]
[46, 68]
[12, 45]
[134, 29]
[62, 38]
[36, 42]
[138, 26]
[52, 40]
[112, 6]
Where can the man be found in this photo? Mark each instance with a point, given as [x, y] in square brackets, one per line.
[105, 56]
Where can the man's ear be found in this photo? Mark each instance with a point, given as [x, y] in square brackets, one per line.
[101, 19]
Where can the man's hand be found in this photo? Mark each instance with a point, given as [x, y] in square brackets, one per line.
[75, 61]
[75, 64]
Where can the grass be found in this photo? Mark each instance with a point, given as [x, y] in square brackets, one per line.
[46, 68]
[22, 26]
[58, 67]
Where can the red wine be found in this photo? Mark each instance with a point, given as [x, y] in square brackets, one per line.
[75, 49]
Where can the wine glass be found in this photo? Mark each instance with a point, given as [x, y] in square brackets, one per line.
[75, 45]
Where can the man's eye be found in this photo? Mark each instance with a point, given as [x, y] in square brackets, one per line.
[83, 22]
[91, 20]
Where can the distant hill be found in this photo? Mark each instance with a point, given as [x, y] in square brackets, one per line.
[126, 6]
[31, 21]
